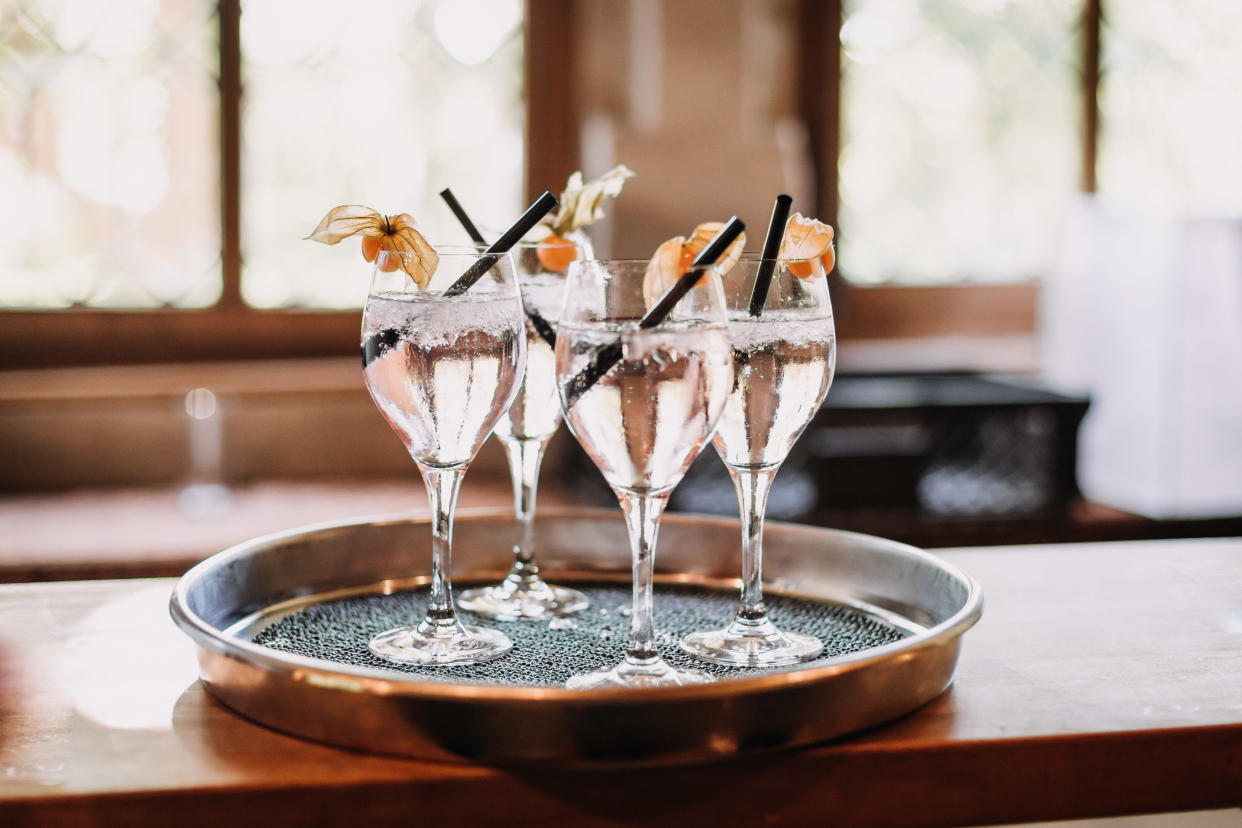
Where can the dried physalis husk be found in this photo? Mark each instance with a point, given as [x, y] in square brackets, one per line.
[674, 258]
[381, 232]
[805, 241]
[580, 204]
[702, 236]
[663, 270]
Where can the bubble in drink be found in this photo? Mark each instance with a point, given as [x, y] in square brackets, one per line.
[645, 420]
[536, 411]
[442, 370]
[783, 366]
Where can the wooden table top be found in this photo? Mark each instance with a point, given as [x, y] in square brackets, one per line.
[1103, 679]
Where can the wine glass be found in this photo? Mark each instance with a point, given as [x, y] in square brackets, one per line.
[525, 430]
[442, 368]
[642, 420]
[783, 362]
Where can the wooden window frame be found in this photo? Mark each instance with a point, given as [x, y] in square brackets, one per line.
[889, 311]
[231, 330]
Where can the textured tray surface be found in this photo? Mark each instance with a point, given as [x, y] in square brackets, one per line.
[317, 593]
[546, 655]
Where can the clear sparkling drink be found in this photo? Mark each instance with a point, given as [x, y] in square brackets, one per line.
[536, 411]
[442, 371]
[782, 370]
[645, 420]
[525, 430]
[784, 359]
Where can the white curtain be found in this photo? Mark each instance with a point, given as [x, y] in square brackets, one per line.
[1145, 315]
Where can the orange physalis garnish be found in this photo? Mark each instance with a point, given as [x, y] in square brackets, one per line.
[380, 232]
[806, 241]
[555, 253]
[702, 236]
[371, 247]
[673, 259]
[580, 204]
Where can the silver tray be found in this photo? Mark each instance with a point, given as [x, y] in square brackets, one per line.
[226, 599]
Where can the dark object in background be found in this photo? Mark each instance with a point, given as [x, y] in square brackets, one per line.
[947, 445]
[936, 446]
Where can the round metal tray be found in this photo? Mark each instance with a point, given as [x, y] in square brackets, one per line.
[223, 602]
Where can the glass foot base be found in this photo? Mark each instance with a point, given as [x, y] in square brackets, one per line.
[523, 601]
[473, 645]
[751, 644]
[653, 672]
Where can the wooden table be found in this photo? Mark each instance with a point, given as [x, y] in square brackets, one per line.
[1103, 679]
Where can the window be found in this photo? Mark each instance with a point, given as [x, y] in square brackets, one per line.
[173, 229]
[948, 110]
[340, 110]
[162, 160]
[1171, 107]
[108, 157]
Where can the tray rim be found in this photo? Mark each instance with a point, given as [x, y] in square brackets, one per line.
[395, 684]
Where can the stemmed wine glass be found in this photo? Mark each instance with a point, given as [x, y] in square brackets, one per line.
[525, 430]
[442, 367]
[784, 359]
[642, 420]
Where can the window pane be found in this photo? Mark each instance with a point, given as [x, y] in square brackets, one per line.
[108, 154]
[959, 137]
[1171, 107]
[376, 103]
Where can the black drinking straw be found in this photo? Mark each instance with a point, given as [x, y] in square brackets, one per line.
[460, 212]
[609, 355]
[537, 210]
[771, 246]
[546, 332]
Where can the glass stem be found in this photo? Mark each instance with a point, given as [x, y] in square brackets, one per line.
[642, 519]
[752, 487]
[525, 457]
[442, 488]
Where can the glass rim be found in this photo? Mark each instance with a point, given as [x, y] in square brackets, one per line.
[758, 257]
[444, 250]
[745, 257]
[526, 242]
[643, 262]
[532, 244]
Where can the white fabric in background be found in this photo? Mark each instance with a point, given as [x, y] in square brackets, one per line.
[1145, 315]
